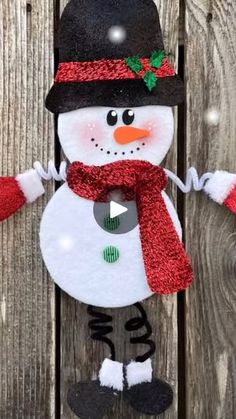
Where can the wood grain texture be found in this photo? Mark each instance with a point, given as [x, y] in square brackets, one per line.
[80, 356]
[27, 373]
[210, 229]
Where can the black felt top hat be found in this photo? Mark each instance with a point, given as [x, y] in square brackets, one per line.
[96, 70]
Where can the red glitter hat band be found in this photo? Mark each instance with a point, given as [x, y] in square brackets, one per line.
[101, 70]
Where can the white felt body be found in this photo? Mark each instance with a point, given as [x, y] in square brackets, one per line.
[72, 246]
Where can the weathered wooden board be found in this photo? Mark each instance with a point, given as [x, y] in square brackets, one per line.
[210, 229]
[27, 350]
[80, 357]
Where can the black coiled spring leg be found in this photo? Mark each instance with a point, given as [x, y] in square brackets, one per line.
[100, 328]
[137, 323]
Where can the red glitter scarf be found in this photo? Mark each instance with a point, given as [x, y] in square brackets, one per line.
[167, 266]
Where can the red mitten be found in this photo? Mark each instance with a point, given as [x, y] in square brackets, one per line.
[230, 201]
[221, 187]
[17, 191]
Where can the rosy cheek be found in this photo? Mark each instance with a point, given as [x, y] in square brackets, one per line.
[89, 134]
[155, 131]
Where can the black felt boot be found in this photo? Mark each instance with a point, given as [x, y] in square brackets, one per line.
[150, 398]
[89, 400]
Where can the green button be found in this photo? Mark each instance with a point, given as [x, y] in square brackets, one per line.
[111, 254]
[111, 224]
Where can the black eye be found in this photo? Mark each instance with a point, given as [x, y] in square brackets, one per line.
[112, 118]
[128, 116]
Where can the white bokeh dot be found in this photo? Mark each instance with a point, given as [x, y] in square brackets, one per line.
[212, 116]
[116, 34]
[66, 243]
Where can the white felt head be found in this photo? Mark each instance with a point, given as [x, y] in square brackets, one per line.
[100, 135]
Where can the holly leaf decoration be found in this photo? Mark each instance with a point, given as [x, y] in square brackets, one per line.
[134, 63]
[150, 79]
[157, 59]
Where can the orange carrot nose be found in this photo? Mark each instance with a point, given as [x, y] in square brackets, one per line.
[125, 135]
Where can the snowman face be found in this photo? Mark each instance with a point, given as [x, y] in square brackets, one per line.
[100, 135]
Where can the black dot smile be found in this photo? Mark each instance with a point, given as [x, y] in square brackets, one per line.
[115, 153]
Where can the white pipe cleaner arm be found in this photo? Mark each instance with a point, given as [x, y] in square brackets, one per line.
[220, 186]
[27, 187]
[192, 182]
[51, 172]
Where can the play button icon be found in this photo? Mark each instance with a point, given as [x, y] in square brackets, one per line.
[116, 216]
[116, 209]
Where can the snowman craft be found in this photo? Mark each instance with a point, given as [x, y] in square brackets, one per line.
[115, 126]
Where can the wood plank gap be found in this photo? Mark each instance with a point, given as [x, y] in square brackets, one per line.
[57, 154]
[57, 157]
[58, 354]
[181, 170]
[57, 8]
